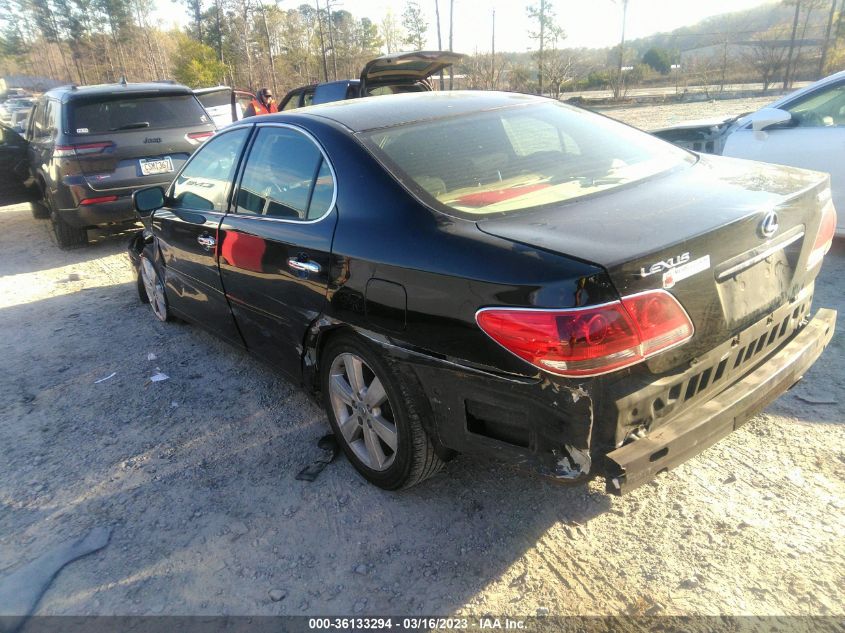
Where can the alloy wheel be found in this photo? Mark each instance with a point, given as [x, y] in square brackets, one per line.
[363, 411]
[154, 288]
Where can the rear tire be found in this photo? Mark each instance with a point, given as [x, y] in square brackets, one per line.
[375, 412]
[69, 236]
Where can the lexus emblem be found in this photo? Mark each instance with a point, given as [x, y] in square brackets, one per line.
[769, 225]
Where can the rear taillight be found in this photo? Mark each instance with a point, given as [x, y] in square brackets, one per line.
[590, 341]
[196, 138]
[824, 238]
[82, 149]
[101, 199]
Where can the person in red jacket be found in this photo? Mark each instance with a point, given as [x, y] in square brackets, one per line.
[263, 103]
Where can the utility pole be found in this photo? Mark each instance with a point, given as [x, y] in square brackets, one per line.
[541, 60]
[493, 55]
[451, 24]
[331, 36]
[322, 42]
[617, 90]
[439, 41]
[219, 32]
[786, 74]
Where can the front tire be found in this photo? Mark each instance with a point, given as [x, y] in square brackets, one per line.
[151, 287]
[375, 415]
[41, 206]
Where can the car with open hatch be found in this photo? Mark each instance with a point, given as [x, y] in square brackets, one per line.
[394, 73]
[90, 147]
[496, 274]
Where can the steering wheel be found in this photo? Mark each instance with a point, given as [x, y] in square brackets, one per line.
[810, 119]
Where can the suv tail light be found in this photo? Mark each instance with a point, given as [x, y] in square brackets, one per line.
[81, 149]
[196, 138]
[824, 238]
[100, 200]
[590, 341]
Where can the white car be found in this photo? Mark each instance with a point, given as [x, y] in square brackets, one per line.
[803, 129]
[224, 105]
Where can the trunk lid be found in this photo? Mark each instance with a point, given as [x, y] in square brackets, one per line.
[697, 232]
[128, 140]
[219, 102]
[416, 66]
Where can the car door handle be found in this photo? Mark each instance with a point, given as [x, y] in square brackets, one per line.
[305, 267]
[206, 241]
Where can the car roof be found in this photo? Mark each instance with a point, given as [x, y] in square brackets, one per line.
[382, 111]
[71, 92]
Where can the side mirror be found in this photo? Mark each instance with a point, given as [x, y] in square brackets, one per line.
[148, 200]
[767, 117]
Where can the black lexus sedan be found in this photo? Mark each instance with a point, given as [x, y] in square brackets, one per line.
[499, 274]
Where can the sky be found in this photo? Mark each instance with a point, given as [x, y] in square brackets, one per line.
[587, 23]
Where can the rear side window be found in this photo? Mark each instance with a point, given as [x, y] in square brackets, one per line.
[115, 114]
[286, 177]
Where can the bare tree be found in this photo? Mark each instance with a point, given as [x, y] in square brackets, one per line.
[827, 33]
[559, 69]
[390, 32]
[767, 55]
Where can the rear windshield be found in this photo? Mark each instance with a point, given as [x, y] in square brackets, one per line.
[519, 158]
[114, 114]
[215, 99]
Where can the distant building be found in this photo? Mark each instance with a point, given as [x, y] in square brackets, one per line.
[29, 83]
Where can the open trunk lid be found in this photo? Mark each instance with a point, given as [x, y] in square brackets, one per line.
[127, 140]
[416, 66]
[703, 233]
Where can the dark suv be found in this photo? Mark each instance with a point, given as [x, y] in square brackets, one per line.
[90, 147]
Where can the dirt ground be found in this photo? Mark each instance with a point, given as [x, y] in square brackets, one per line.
[196, 476]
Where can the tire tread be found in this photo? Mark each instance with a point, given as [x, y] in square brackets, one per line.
[69, 236]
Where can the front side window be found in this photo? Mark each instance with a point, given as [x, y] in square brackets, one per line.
[204, 183]
[286, 177]
[823, 108]
[41, 125]
[517, 158]
[293, 102]
[34, 119]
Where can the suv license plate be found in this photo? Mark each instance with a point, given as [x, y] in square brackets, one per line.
[156, 166]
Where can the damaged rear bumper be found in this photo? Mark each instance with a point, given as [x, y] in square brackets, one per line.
[696, 429]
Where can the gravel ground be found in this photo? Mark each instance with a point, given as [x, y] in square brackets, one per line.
[196, 476]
